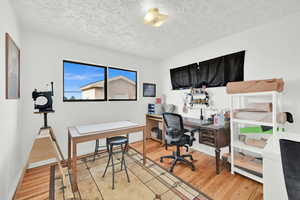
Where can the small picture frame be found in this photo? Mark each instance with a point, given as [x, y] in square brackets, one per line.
[149, 90]
[12, 68]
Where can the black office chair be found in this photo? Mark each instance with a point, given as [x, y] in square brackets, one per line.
[290, 154]
[176, 136]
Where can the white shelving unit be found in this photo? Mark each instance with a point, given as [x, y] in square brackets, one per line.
[239, 101]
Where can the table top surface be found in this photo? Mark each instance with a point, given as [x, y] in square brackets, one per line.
[91, 129]
[42, 150]
[193, 122]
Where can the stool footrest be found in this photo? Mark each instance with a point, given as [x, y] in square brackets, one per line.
[120, 171]
[104, 146]
[116, 152]
[100, 152]
[115, 164]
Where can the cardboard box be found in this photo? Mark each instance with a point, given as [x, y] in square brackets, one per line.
[255, 86]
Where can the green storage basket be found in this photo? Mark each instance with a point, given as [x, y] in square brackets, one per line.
[255, 130]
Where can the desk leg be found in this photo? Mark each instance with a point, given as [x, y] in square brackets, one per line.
[56, 144]
[74, 168]
[217, 151]
[69, 150]
[144, 146]
[163, 134]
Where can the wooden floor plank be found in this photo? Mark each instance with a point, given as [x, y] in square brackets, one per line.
[35, 184]
[32, 183]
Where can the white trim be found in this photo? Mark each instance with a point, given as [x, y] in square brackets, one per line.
[42, 163]
[241, 145]
[244, 121]
[255, 94]
[247, 174]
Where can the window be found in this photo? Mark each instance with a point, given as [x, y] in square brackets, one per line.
[84, 82]
[87, 82]
[122, 84]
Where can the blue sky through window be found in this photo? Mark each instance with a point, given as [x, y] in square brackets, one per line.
[119, 72]
[77, 75]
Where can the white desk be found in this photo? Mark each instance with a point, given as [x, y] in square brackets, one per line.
[85, 133]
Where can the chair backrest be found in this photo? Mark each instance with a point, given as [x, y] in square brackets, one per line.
[173, 121]
[290, 154]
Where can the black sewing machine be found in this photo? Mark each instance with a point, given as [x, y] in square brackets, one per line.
[44, 105]
[45, 102]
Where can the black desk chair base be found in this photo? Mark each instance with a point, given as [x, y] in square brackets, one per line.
[179, 158]
[185, 146]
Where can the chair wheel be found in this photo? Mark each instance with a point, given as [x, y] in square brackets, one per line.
[193, 168]
[161, 160]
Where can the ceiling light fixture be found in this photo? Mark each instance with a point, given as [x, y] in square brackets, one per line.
[154, 17]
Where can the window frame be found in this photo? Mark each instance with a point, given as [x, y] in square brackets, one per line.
[136, 84]
[85, 100]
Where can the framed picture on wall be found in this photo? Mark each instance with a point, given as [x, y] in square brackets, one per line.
[12, 68]
[149, 90]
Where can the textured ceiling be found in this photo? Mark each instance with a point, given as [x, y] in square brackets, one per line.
[118, 24]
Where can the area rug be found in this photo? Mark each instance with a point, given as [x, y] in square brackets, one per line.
[146, 182]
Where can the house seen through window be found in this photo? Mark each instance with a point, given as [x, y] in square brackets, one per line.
[122, 84]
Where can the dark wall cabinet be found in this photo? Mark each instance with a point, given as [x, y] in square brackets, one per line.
[215, 72]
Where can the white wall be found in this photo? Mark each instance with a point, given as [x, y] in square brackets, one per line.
[272, 51]
[43, 59]
[11, 160]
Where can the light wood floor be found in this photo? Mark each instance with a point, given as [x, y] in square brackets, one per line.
[224, 186]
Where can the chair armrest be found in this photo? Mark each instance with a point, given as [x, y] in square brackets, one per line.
[173, 135]
[192, 135]
[193, 131]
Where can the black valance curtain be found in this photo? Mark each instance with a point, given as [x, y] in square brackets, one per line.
[216, 72]
[234, 67]
[181, 76]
